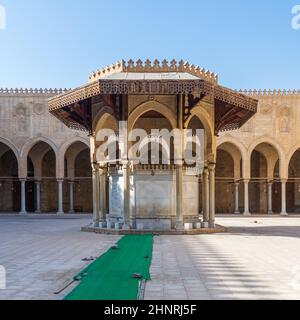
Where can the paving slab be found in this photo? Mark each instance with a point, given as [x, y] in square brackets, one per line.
[258, 259]
[42, 254]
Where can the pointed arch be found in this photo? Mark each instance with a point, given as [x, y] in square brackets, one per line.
[25, 152]
[62, 152]
[11, 146]
[151, 106]
[207, 122]
[276, 145]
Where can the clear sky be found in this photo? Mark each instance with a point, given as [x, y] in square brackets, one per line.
[58, 43]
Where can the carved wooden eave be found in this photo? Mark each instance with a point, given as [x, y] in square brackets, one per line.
[232, 109]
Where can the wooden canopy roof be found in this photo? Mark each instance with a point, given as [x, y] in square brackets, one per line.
[232, 109]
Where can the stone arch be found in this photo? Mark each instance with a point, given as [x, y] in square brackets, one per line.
[11, 146]
[26, 149]
[241, 149]
[237, 157]
[151, 106]
[291, 153]
[9, 185]
[293, 184]
[277, 148]
[207, 122]
[101, 117]
[62, 152]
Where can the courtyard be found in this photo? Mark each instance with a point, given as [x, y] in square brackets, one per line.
[258, 258]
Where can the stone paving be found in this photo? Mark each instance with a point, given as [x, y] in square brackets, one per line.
[259, 258]
[41, 255]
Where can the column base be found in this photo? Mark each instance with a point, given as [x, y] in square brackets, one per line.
[204, 225]
[247, 214]
[237, 212]
[71, 211]
[23, 213]
[284, 214]
[212, 225]
[179, 226]
[102, 224]
[270, 212]
[60, 213]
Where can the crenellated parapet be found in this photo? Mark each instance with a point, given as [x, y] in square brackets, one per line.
[270, 93]
[154, 67]
[31, 91]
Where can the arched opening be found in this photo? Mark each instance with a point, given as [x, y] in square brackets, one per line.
[228, 175]
[265, 188]
[9, 184]
[109, 126]
[41, 185]
[293, 185]
[197, 193]
[224, 182]
[155, 150]
[78, 193]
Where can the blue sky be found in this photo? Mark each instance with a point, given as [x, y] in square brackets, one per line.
[58, 43]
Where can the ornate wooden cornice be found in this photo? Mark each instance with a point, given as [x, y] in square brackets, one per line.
[107, 87]
[151, 87]
[233, 108]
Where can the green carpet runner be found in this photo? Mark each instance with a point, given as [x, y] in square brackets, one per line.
[111, 276]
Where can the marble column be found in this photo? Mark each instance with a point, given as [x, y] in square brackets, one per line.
[179, 197]
[71, 196]
[283, 197]
[96, 198]
[270, 197]
[105, 191]
[23, 197]
[205, 191]
[236, 198]
[126, 206]
[38, 196]
[133, 201]
[212, 195]
[246, 198]
[102, 197]
[60, 210]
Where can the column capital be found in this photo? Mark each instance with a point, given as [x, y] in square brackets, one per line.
[60, 179]
[22, 179]
[246, 180]
[95, 166]
[211, 166]
[285, 180]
